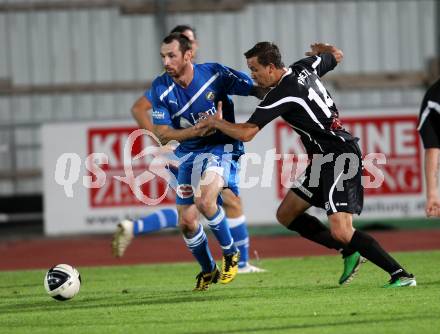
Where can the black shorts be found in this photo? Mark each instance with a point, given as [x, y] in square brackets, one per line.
[334, 181]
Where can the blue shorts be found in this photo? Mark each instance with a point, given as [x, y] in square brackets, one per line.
[215, 159]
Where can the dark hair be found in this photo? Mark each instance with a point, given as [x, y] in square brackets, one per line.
[184, 42]
[181, 28]
[266, 53]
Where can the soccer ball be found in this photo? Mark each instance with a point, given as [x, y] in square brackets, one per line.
[62, 282]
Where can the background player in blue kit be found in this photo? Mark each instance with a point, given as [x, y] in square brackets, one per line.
[167, 218]
[183, 96]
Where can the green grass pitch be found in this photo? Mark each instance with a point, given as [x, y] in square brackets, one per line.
[296, 295]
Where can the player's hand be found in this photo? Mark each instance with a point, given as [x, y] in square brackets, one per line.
[204, 127]
[219, 113]
[433, 207]
[317, 48]
[208, 132]
[207, 125]
[169, 147]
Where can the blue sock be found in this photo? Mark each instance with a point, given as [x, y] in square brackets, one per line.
[240, 235]
[198, 245]
[219, 226]
[156, 221]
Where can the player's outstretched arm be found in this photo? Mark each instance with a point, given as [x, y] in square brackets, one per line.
[141, 113]
[240, 131]
[166, 133]
[431, 176]
[317, 48]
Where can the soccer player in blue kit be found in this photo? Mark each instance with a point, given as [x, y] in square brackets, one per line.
[167, 217]
[183, 95]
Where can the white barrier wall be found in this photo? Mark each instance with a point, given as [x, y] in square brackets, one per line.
[264, 178]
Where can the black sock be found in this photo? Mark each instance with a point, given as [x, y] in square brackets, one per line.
[369, 248]
[311, 228]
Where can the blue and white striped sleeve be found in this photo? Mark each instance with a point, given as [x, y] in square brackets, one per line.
[160, 113]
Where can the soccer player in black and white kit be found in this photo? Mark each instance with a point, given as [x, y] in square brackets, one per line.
[429, 129]
[332, 180]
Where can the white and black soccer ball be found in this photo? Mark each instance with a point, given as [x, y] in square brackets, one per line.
[62, 282]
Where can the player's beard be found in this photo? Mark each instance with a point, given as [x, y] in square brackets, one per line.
[171, 72]
[177, 72]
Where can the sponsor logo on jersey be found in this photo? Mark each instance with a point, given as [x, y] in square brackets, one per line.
[156, 114]
[203, 115]
[210, 96]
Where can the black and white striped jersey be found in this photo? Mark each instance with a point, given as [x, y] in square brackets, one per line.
[429, 118]
[302, 101]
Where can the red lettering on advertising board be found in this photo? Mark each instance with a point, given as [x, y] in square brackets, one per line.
[111, 142]
[394, 136]
[397, 138]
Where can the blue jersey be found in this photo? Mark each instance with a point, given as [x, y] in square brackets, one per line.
[148, 95]
[182, 108]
